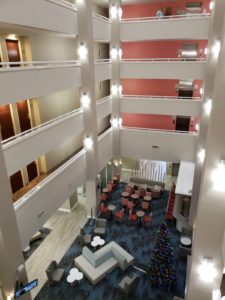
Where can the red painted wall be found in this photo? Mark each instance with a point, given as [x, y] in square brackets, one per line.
[148, 121]
[155, 87]
[158, 49]
[150, 9]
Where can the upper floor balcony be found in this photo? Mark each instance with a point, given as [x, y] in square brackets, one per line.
[162, 68]
[155, 144]
[169, 27]
[160, 105]
[56, 15]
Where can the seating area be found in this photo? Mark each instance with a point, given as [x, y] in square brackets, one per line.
[54, 273]
[108, 274]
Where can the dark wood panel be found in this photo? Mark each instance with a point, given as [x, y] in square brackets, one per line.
[13, 51]
[23, 113]
[6, 123]
[16, 181]
[32, 171]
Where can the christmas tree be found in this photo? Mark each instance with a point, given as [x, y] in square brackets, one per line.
[162, 268]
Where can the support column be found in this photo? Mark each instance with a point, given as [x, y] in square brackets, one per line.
[210, 219]
[215, 35]
[116, 88]
[10, 248]
[86, 53]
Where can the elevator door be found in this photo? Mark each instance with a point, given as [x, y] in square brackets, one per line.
[13, 51]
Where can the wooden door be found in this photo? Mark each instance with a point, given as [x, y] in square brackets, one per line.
[32, 171]
[23, 113]
[13, 51]
[182, 123]
[6, 123]
[16, 181]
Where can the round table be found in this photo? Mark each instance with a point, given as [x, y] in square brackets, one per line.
[135, 196]
[96, 238]
[97, 241]
[147, 198]
[130, 184]
[125, 194]
[94, 244]
[74, 275]
[105, 190]
[111, 208]
[140, 214]
[186, 241]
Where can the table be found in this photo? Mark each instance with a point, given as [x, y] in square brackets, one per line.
[111, 208]
[125, 194]
[140, 214]
[134, 196]
[147, 198]
[186, 241]
[74, 275]
[97, 241]
[130, 184]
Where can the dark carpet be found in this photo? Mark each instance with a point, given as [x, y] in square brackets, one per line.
[139, 242]
[35, 244]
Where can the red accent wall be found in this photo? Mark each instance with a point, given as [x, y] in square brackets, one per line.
[150, 9]
[158, 49]
[148, 121]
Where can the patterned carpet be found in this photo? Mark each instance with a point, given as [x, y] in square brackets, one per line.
[139, 242]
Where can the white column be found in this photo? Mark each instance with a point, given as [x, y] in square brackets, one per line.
[85, 37]
[10, 248]
[215, 35]
[115, 54]
[210, 219]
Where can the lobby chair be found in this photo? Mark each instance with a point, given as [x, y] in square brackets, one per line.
[128, 284]
[147, 219]
[100, 227]
[85, 238]
[145, 205]
[104, 210]
[119, 215]
[54, 273]
[132, 217]
[124, 202]
[130, 205]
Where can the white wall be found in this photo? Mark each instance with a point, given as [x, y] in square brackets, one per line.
[103, 124]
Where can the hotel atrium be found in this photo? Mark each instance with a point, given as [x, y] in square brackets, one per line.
[111, 128]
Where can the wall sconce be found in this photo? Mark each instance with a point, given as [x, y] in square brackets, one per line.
[115, 123]
[116, 163]
[120, 121]
[197, 127]
[216, 295]
[88, 143]
[120, 162]
[113, 53]
[120, 53]
[206, 51]
[208, 106]
[201, 155]
[114, 89]
[216, 48]
[201, 91]
[120, 12]
[82, 52]
[85, 101]
[207, 270]
[113, 12]
[218, 176]
[211, 5]
[120, 89]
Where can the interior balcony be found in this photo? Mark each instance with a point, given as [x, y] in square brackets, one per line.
[44, 77]
[104, 107]
[103, 69]
[166, 28]
[162, 68]
[162, 105]
[163, 145]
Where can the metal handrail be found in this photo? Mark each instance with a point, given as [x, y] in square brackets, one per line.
[160, 97]
[172, 17]
[64, 3]
[46, 180]
[103, 60]
[179, 59]
[37, 129]
[38, 64]
[159, 130]
[103, 18]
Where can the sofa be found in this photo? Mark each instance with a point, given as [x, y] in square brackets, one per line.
[96, 266]
[128, 284]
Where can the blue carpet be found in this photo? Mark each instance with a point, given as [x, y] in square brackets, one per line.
[139, 242]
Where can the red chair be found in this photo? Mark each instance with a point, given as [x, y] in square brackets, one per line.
[124, 202]
[119, 215]
[130, 204]
[132, 217]
[129, 190]
[145, 205]
[103, 197]
[104, 210]
[147, 219]
[148, 194]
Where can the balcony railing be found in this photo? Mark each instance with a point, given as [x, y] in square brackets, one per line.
[184, 16]
[160, 97]
[172, 59]
[64, 3]
[35, 130]
[159, 130]
[103, 18]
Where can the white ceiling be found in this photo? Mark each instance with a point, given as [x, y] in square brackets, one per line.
[106, 2]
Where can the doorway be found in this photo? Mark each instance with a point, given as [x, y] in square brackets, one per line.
[13, 51]
[16, 181]
[182, 123]
[6, 122]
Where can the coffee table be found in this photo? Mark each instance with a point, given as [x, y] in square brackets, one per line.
[97, 241]
[135, 196]
[74, 275]
[125, 194]
[186, 241]
[147, 198]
